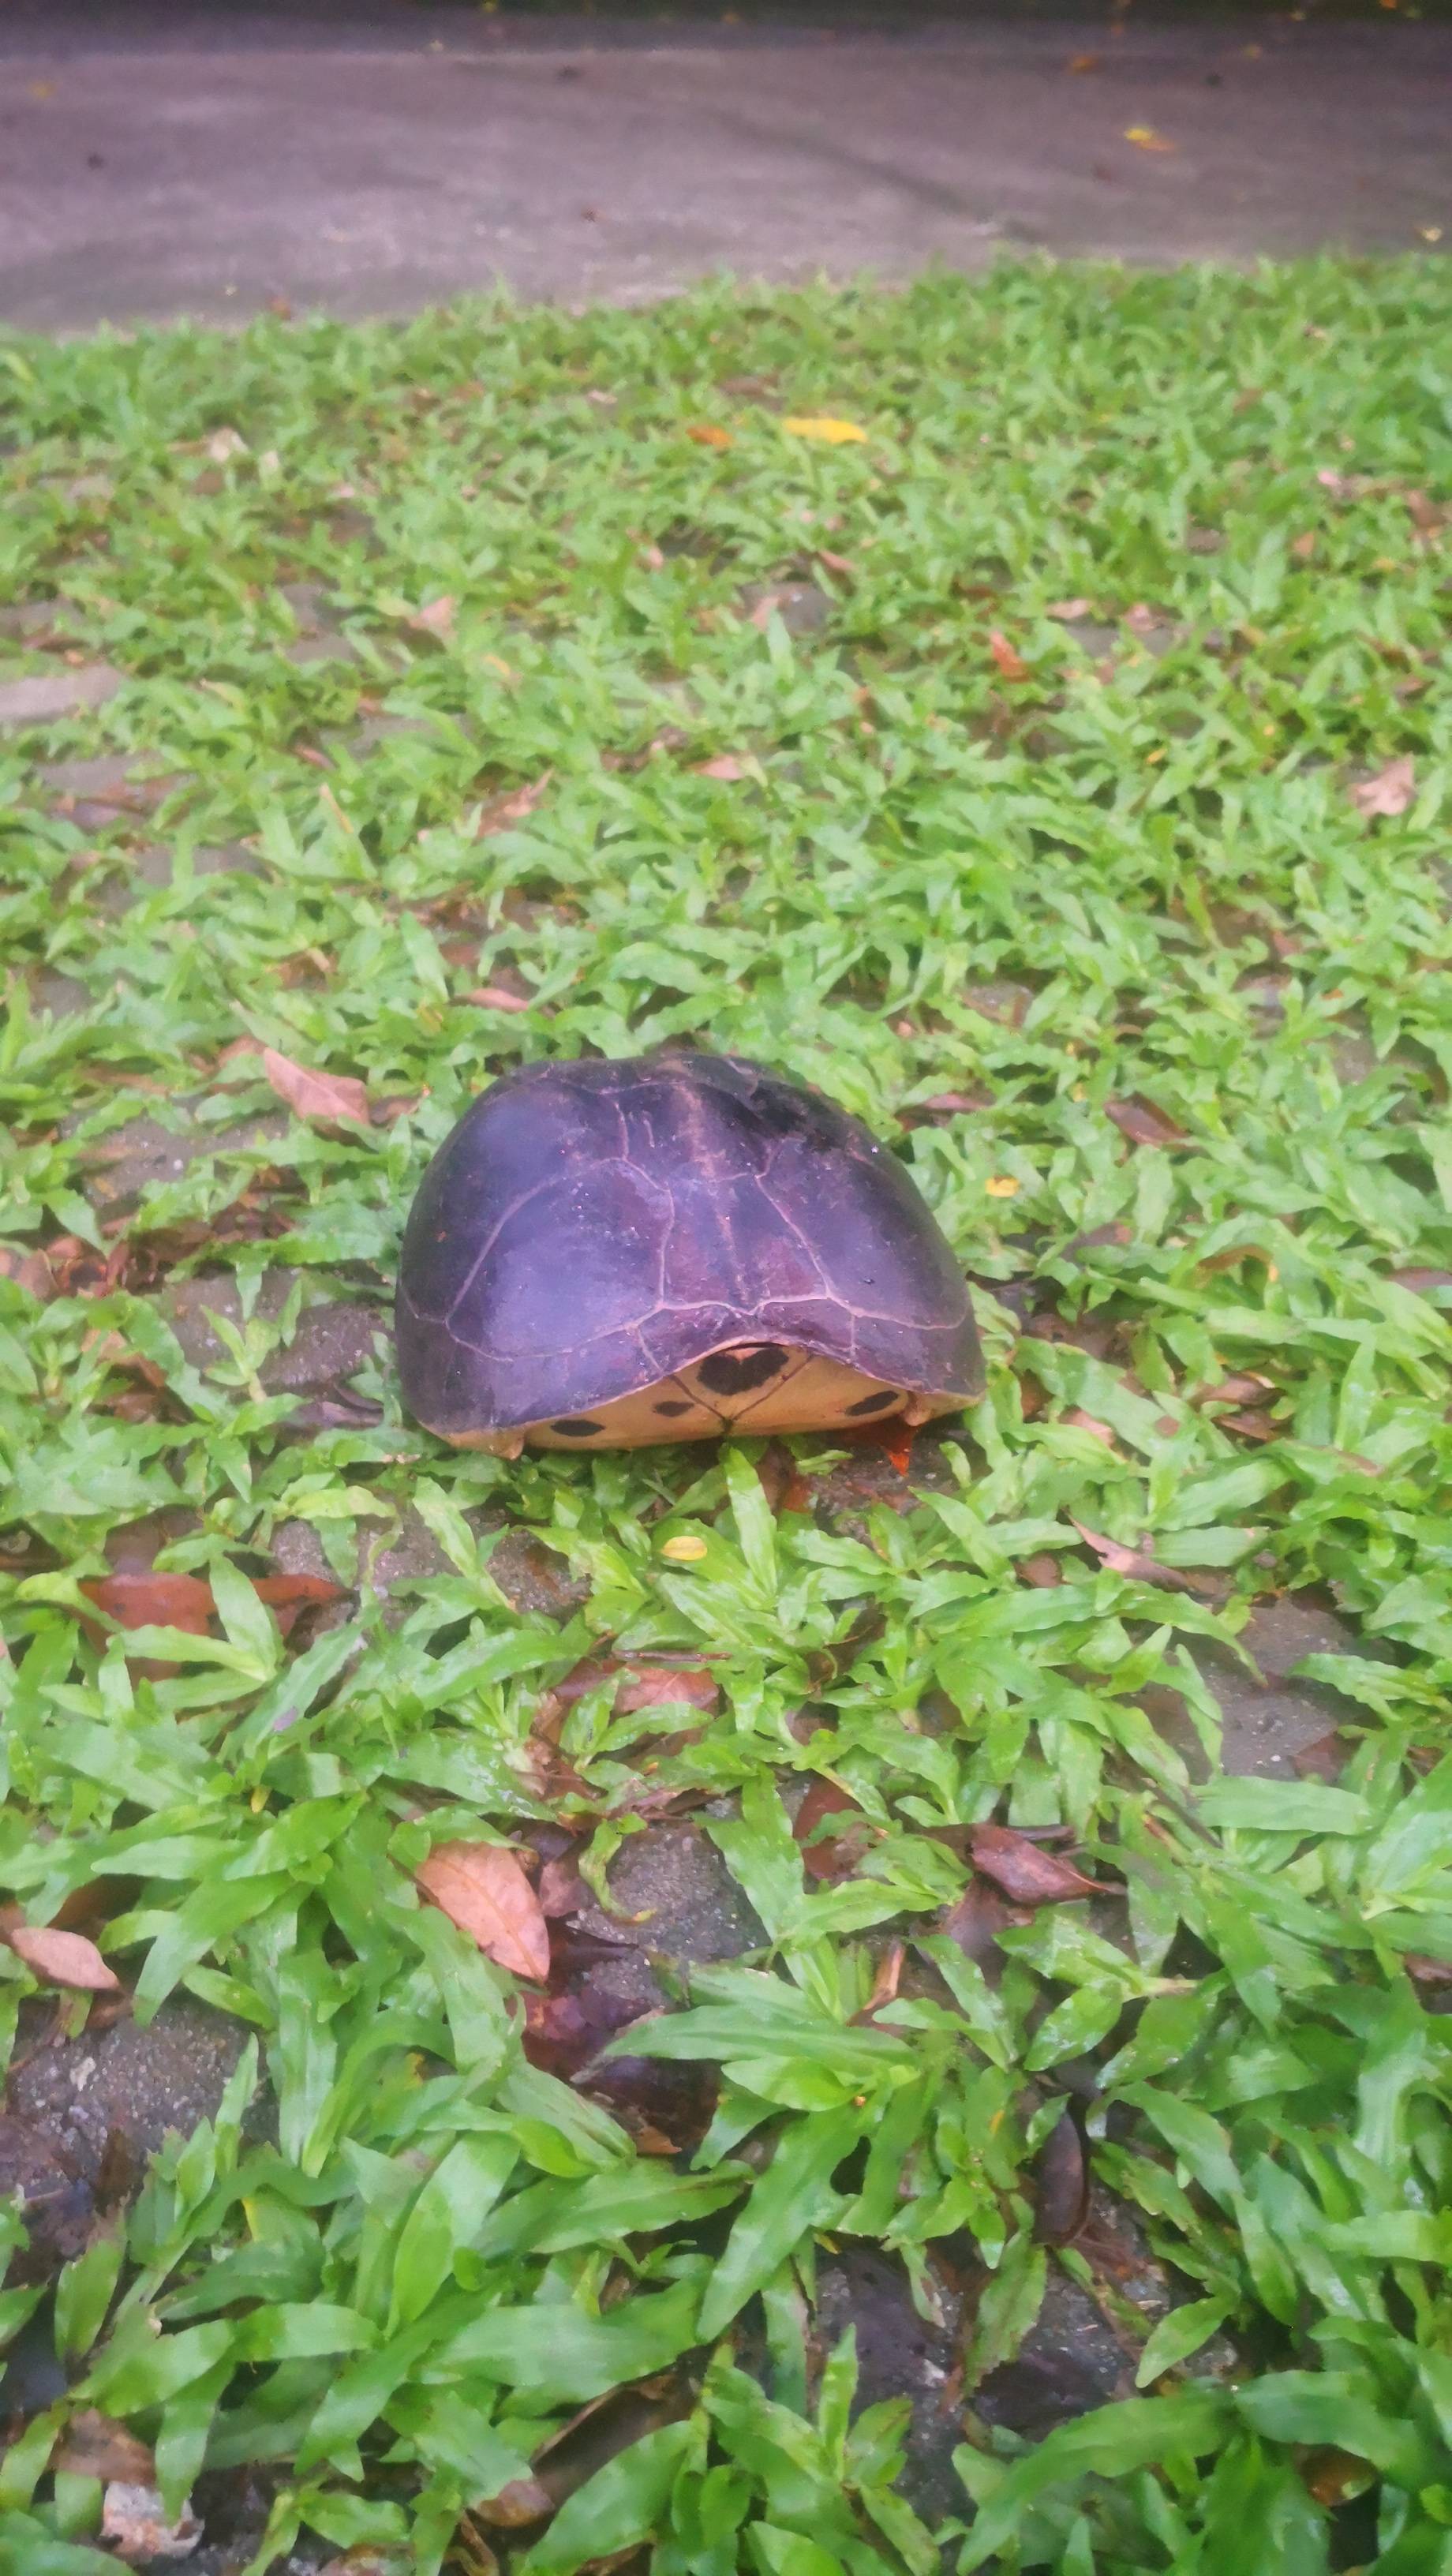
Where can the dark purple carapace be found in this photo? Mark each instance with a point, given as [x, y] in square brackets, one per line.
[688, 1226]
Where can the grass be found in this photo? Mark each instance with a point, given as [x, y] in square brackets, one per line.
[1131, 881]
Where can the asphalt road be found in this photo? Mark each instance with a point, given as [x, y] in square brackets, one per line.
[164, 160]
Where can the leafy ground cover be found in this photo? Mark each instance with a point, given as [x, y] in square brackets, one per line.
[1047, 760]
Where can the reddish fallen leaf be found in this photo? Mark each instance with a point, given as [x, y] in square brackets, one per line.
[1422, 1282]
[1042, 1570]
[1062, 2181]
[725, 765]
[1133, 1561]
[494, 997]
[29, 1270]
[94, 2446]
[667, 1686]
[436, 619]
[150, 1600]
[706, 434]
[976, 1918]
[1069, 612]
[885, 1982]
[62, 1958]
[1024, 1870]
[1011, 664]
[840, 564]
[1325, 1759]
[1079, 1420]
[1390, 792]
[329, 1097]
[515, 807]
[315, 759]
[1250, 1426]
[1143, 1124]
[483, 1889]
[835, 1854]
[1249, 1391]
[950, 1104]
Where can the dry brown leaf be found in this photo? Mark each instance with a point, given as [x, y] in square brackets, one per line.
[1024, 1870]
[1069, 611]
[494, 997]
[835, 1854]
[482, 1888]
[667, 1686]
[332, 1098]
[514, 807]
[725, 765]
[62, 1958]
[136, 2523]
[150, 1600]
[706, 434]
[1079, 1420]
[950, 1104]
[1062, 2184]
[437, 618]
[1011, 664]
[94, 2446]
[1390, 791]
[1133, 1562]
[1143, 1124]
[562, 1891]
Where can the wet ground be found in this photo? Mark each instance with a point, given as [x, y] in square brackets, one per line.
[185, 160]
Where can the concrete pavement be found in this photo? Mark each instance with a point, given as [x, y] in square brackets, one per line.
[365, 158]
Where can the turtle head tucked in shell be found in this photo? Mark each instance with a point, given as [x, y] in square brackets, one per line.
[608, 1255]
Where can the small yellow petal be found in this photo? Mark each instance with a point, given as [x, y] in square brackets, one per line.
[828, 433]
[1001, 1187]
[685, 1550]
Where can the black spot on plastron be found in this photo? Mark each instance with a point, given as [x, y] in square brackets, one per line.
[671, 1411]
[736, 1372]
[576, 1428]
[875, 1403]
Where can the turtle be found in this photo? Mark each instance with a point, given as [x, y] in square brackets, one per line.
[608, 1254]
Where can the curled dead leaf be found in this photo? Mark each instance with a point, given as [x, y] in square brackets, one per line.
[483, 1889]
[1133, 1562]
[62, 1958]
[1024, 1870]
[331, 1098]
[1011, 664]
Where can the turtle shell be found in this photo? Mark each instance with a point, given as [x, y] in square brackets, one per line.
[590, 1230]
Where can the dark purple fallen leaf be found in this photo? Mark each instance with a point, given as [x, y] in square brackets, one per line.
[976, 1918]
[1143, 1124]
[835, 1854]
[1025, 1871]
[1062, 2177]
